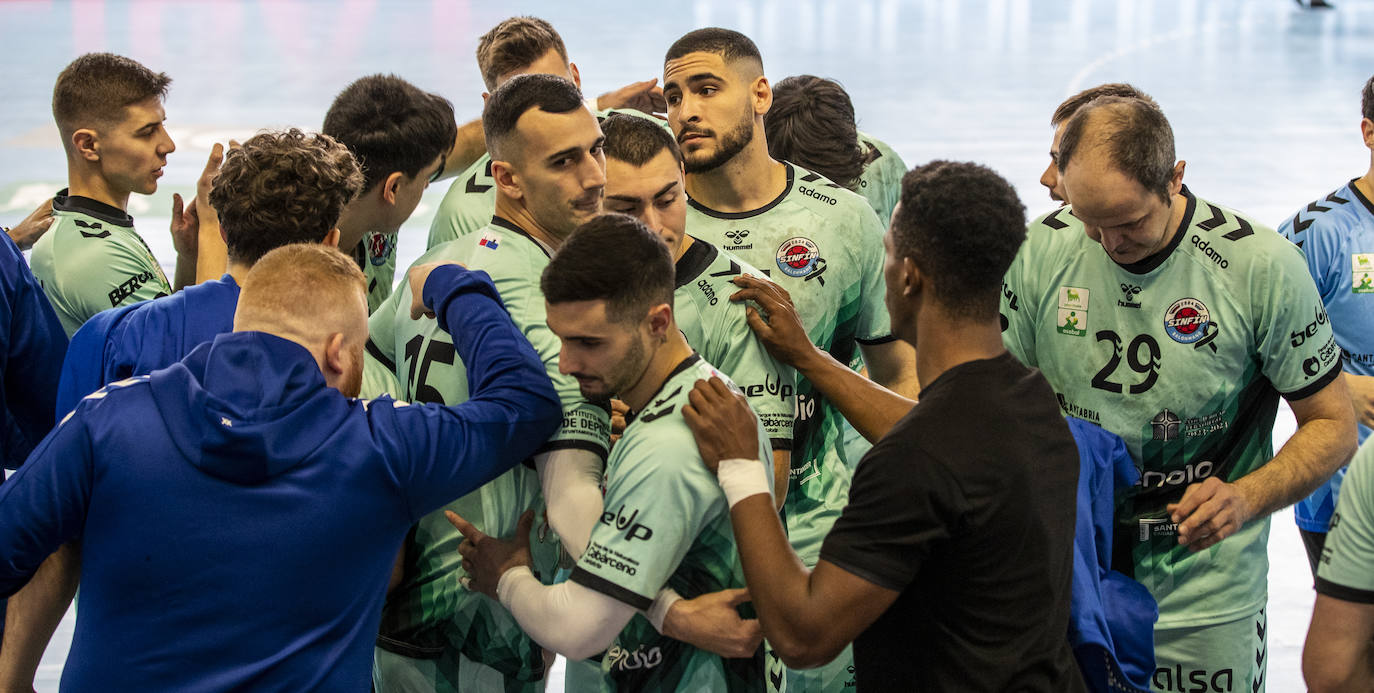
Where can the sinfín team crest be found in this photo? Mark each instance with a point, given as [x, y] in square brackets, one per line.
[1186, 320]
[797, 257]
[380, 246]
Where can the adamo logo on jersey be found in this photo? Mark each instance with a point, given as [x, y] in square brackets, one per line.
[797, 257]
[1186, 320]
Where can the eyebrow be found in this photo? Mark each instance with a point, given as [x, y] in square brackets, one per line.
[693, 79]
[623, 198]
[665, 189]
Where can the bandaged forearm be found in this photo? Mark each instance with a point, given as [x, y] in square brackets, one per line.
[572, 620]
[741, 478]
[571, 482]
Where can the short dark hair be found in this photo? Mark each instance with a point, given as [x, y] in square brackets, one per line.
[590, 266]
[811, 124]
[281, 188]
[1133, 132]
[391, 125]
[635, 140]
[729, 45]
[1071, 105]
[961, 224]
[94, 90]
[504, 107]
[1367, 99]
[515, 44]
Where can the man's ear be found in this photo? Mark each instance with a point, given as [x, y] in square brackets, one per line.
[1367, 130]
[1176, 177]
[660, 320]
[912, 281]
[507, 180]
[391, 186]
[331, 239]
[86, 144]
[577, 76]
[762, 93]
[333, 355]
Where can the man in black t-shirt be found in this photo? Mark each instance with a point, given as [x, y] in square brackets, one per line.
[950, 568]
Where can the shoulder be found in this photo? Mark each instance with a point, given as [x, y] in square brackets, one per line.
[1330, 218]
[110, 400]
[820, 195]
[1055, 235]
[1233, 243]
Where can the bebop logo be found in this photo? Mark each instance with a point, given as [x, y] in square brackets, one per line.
[1298, 338]
[770, 387]
[633, 530]
[624, 660]
[812, 192]
[1179, 477]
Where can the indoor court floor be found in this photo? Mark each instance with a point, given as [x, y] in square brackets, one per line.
[1263, 96]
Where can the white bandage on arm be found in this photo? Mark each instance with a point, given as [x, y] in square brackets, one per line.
[663, 603]
[571, 482]
[574, 621]
[741, 478]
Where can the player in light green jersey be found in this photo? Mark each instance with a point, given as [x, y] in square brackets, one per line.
[109, 112]
[664, 522]
[520, 46]
[1338, 656]
[1176, 323]
[820, 241]
[401, 136]
[644, 179]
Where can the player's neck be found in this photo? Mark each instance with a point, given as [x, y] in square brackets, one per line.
[943, 341]
[357, 218]
[745, 183]
[682, 247]
[86, 181]
[513, 211]
[673, 351]
[238, 271]
[1365, 184]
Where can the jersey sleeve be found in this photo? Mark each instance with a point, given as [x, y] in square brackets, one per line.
[102, 273]
[1017, 309]
[658, 501]
[1314, 240]
[1296, 345]
[35, 344]
[874, 326]
[898, 513]
[768, 385]
[467, 206]
[1346, 568]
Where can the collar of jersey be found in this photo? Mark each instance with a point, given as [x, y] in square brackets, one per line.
[680, 367]
[1369, 206]
[63, 201]
[1152, 262]
[694, 261]
[786, 189]
[509, 225]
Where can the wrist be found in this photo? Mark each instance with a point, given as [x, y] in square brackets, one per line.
[510, 580]
[660, 609]
[742, 478]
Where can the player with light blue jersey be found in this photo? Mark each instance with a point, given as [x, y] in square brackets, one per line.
[1176, 323]
[1336, 234]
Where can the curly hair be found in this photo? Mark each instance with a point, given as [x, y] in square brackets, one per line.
[961, 224]
[281, 188]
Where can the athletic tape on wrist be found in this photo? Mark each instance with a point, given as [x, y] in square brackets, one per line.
[658, 611]
[508, 582]
[741, 478]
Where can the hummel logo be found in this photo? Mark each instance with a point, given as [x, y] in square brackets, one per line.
[737, 236]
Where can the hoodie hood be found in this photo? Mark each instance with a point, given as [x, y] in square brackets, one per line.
[247, 406]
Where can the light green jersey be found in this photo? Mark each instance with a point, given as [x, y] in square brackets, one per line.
[471, 199]
[825, 246]
[91, 259]
[1183, 355]
[377, 256]
[666, 523]
[1346, 568]
[881, 181]
[717, 328]
[431, 610]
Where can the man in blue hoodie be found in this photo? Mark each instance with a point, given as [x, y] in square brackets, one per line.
[207, 494]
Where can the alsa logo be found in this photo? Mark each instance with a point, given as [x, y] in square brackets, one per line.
[622, 659]
[1300, 337]
[812, 192]
[632, 529]
[770, 387]
[1191, 473]
[1195, 681]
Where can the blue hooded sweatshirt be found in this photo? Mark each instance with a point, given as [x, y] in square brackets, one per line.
[33, 344]
[239, 518]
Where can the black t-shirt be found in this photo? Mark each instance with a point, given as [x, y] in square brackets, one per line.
[967, 508]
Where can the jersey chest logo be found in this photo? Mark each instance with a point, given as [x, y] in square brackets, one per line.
[737, 240]
[1362, 271]
[380, 246]
[1072, 318]
[798, 257]
[1187, 321]
[490, 241]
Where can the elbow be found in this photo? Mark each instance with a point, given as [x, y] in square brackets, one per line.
[804, 652]
[578, 648]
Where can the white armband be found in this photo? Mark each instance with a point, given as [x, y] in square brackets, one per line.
[741, 478]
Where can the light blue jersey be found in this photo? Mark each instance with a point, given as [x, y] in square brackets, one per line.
[1336, 233]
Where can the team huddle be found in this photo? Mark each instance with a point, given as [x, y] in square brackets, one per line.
[649, 399]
